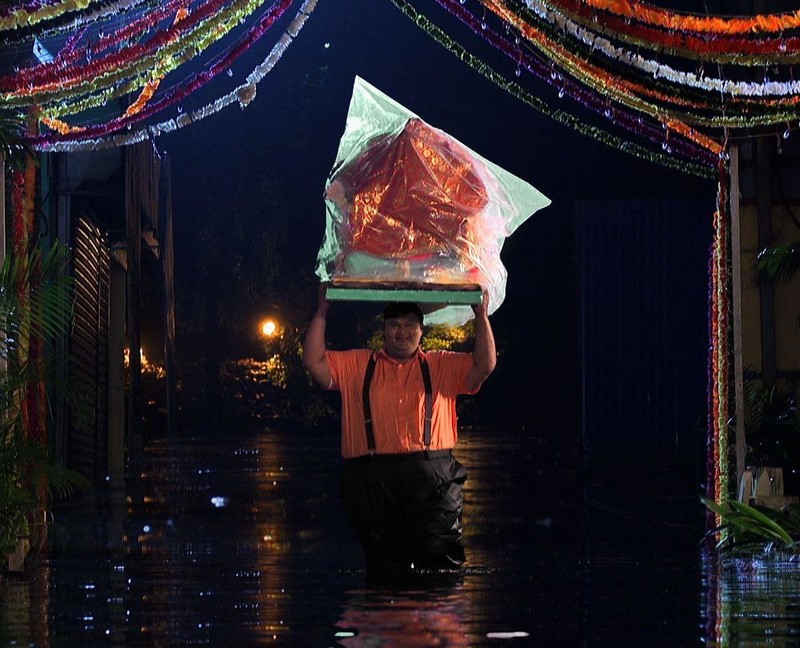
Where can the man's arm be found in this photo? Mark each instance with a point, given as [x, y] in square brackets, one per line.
[314, 344]
[484, 356]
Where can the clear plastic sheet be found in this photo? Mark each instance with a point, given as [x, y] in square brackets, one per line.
[407, 204]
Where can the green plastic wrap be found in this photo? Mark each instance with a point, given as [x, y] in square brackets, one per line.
[407, 205]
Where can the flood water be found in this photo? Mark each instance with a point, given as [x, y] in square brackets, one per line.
[239, 540]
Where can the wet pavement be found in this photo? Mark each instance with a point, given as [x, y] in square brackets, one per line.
[239, 540]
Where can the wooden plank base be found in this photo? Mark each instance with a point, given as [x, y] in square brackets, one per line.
[432, 294]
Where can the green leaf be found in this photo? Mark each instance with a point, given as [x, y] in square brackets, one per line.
[765, 521]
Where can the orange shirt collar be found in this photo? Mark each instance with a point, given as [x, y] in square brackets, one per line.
[382, 354]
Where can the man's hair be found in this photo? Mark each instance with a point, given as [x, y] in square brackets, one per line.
[398, 309]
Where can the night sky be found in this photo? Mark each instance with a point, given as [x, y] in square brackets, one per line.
[286, 140]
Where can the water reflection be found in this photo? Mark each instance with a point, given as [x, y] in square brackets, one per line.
[429, 617]
[240, 540]
[752, 601]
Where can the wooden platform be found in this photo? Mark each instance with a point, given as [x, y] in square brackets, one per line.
[446, 294]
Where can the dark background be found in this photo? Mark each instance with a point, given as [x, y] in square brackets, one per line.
[249, 214]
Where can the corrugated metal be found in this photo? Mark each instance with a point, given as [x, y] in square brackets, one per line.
[644, 329]
[87, 446]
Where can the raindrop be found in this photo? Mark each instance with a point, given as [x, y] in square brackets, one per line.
[561, 93]
[786, 134]
[483, 24]
[518, 72]
[230, 72]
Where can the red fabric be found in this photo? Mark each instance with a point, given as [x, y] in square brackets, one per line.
[414, 194]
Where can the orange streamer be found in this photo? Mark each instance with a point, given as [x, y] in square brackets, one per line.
[656, 16]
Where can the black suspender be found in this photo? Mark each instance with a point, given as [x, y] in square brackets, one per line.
[365, 396]
[426, 380]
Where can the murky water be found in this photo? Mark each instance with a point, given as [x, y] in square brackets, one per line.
[239, 540]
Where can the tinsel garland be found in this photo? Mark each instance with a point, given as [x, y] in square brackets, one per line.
[243, 94]
[90, 18]
[563, 117]
[718, 463]
[70, 54]
[625, 91]
[25, 17]
[591, 100]
[187, 88]
[601, 81]
[661, 70]
[191, 35]
[722, 48]
[54, 110]
[658, 17]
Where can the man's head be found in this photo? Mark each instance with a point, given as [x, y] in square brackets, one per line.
[402, 329]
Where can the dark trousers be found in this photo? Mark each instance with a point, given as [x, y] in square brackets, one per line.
[406, 509]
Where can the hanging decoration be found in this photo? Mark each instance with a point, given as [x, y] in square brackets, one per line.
[562, 116]
[143, 53]
[719, 453]
[722, 48]
[242, 95]
[658, 17]
[36, 12]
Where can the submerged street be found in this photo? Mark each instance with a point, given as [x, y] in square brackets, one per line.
[239, 540]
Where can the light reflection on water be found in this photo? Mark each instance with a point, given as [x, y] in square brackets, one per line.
[753, 601]
[240, 540]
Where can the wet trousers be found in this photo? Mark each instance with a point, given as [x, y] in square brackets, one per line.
[406, 509]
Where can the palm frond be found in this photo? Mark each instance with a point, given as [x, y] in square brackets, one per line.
[780, 263]
[35, 297]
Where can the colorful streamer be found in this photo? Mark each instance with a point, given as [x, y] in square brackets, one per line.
[563, 117]
[658, 17]
[242, 95]
[719, 49]
[24, 17]
[719, 452]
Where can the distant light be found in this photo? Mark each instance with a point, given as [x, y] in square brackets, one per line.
[327, 46]
[269, 328]
[146, 528]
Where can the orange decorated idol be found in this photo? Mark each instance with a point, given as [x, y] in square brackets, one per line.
[408, 204]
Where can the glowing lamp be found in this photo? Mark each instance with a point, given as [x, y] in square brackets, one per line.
[269, 328]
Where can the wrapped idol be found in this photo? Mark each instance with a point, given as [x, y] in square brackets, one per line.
[409, 206]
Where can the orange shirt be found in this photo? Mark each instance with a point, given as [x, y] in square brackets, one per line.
[397, 400]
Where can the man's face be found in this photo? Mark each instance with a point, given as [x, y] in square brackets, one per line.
[401, 336]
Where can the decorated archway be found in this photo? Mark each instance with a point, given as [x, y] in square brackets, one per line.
[671, 88]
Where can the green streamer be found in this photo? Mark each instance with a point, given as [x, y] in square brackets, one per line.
[563, 117]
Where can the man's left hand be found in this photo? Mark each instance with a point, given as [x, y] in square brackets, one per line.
[482, 308]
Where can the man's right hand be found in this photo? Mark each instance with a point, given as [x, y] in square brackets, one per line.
[322, 299]
[314, 342]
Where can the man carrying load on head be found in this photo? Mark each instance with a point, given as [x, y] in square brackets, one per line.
[401, 486]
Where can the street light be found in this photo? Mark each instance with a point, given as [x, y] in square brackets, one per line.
[269, 328]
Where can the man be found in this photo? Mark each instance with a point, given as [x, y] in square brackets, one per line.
[401, 485]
